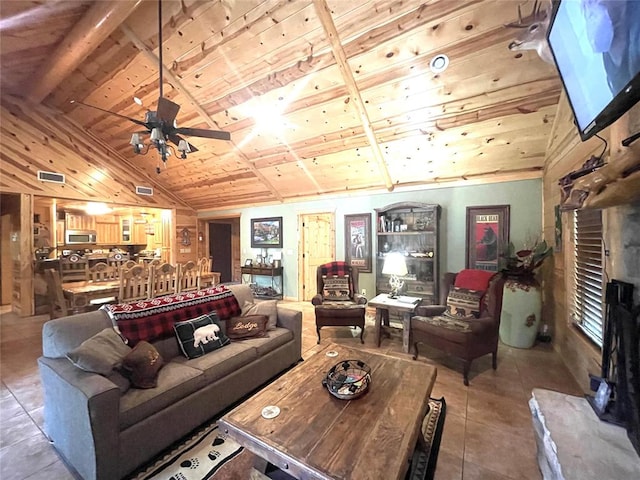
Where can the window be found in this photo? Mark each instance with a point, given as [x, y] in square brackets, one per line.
[588, 291]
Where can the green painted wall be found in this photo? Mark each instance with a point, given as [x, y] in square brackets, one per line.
[524, 198]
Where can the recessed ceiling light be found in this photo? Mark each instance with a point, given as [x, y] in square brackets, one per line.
[137, 100]
[439, 63]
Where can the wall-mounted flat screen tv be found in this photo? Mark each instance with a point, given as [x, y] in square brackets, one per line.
[596, 48]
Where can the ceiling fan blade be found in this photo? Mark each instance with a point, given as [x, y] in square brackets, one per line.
[139, 122]
[167, 110]
[176, 139]
[201, 132]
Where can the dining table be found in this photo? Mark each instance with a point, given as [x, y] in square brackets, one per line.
[82, 293]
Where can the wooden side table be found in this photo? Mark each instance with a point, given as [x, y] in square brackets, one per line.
[402, 305]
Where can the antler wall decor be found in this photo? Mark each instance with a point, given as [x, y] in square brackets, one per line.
[534, 31]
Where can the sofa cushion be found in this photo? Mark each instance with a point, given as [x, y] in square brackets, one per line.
[122, 382]
[175, 382]
[266, 307]
[100, 353]
[247, 326]
[168, 347]
[463, 303]
[153, 319]
[222, 362]
[200, 335]
[142, 364]
[276, 338]
[61, 335]
[335, 287]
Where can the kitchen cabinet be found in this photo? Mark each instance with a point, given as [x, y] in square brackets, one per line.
[76, 221]
[410, 228]
[139, 233]
[108, 233]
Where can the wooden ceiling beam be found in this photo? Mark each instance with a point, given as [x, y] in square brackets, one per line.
[324, 14]
[93, 29]
[177, 85]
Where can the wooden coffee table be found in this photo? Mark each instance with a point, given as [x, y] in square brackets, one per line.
[318, 436]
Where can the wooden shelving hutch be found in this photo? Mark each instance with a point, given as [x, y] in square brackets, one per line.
[412, 229]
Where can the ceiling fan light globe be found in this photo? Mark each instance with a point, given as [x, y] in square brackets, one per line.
[156, 135]
[183, 146]
[135, 140]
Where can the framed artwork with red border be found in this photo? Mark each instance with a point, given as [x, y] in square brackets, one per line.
[357, 241]
[487, 236]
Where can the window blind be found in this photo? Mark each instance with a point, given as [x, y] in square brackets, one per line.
[588, 298]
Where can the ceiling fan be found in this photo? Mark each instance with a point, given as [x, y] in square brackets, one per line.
[161, 125]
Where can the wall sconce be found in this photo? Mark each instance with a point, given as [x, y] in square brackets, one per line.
[200, 236]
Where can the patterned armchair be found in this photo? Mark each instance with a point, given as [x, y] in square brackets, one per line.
[467, 321]
[337, 303]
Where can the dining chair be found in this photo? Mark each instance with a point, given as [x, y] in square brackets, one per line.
[101, 272]
[188, 277]
[73, 268]
[58, 305]
[207, 277]
[129, 264]
[165, 280]
[204, 265]
[155, 262]
[117, 259]
[135, 284]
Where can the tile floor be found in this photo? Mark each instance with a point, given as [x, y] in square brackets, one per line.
[487, 433]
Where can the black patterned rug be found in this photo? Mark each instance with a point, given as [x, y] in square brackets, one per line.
[205, 454]
[209, 454]
[425, 455]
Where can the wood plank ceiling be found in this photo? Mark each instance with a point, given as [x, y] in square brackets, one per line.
[320, 96]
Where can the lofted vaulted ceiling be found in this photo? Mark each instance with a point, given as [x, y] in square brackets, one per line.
[351, 101]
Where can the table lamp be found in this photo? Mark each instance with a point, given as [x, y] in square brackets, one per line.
[396, 266]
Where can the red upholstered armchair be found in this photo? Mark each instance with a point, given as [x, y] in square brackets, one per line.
[337, 303]
[466, 323]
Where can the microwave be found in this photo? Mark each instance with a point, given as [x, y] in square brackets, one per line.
[73, 237]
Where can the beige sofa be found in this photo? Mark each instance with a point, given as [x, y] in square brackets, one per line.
[105, 434]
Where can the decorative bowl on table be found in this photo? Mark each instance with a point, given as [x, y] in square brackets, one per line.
[348, 379]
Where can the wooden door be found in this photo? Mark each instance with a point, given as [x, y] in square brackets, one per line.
[220, 249]
[318, 246]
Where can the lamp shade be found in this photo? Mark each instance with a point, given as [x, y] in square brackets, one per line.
[395, 264]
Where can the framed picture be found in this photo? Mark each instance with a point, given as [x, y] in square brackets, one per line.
[248, 262]
[266, 232]
[487, 236]
[357, 241]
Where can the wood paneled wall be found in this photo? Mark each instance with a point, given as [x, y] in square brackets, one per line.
[565, 153]
[186, 231]
[17, 251]
[34, 137]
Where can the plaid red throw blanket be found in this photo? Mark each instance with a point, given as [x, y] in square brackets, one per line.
[153, 319]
